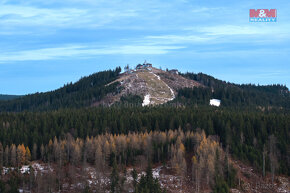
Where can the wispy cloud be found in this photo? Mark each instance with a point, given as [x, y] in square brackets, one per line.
[241, 53]
[237, 30]
[22, 15]
[272, 74]
[231, 30]
[82, 51]
[242, 34]
[176, 39]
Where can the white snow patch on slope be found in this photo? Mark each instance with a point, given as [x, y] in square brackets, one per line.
[215, 102]
[156, 172]
[156, 75]
[25, 169]
[146, 100]
[172, 93]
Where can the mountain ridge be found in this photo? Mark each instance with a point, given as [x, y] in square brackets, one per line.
[8, 97]
[147, 85]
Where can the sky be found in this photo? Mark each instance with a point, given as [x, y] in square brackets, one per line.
[46, 44]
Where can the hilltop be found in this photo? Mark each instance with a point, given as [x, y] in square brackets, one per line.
[154, 86]
[146, 85]
[8, 97]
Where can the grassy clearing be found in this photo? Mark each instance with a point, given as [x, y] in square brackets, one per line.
[158, 90]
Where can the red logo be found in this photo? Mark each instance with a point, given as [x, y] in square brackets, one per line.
[263, 13]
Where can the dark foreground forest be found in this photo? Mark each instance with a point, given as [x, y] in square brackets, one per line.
[259, 138]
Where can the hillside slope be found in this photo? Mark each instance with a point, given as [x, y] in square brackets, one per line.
[235, 95]
[146, 85]
[80, 94]
[8, 97]
[153, 85]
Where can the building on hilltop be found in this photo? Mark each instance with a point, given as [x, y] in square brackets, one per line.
[145, 65]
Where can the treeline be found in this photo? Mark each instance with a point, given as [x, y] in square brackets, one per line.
[207, 166]
[233, 95]
[212, 82]
[8, 97]
[246, 132]
[83, 93]
[91, 89]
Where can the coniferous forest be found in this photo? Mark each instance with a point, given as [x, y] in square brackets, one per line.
[61, 129]
[80, 94]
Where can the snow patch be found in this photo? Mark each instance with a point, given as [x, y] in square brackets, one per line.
[156, 75]
[172, 93]
[25, 169]
[146, 100]
[37, 166]
[215, 102]
[156, 172]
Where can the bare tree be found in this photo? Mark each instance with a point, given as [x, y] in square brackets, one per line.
[75, 154]
[273, 155]
[13, 155]
[242, 138]
[1, 155]
[264, 162]
[34, 152]
[39, 182]
[99, 161]
[89, 148]
[42, 152]
[31, 178]
[6, 156]
[69, 142]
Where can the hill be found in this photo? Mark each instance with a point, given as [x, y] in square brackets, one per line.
[80, 94]
[234, 95]
[153, 85]
[8, 97]
[146, 85]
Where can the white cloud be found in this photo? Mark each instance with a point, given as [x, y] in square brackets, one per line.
[255, 29]
[18, 16]
[23, 15]
[177, 39]
[239, 53]
[232, 30]
[206, 9]
[81, 51]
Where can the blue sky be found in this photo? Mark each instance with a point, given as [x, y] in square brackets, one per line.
[45, 44]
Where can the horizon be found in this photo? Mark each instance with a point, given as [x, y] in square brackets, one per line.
[134, 68]
[45, 45]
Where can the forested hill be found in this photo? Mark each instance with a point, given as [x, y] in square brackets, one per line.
[82, 93]
[111, 87]
[8, 97]
[234, 95]
[212, 82]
